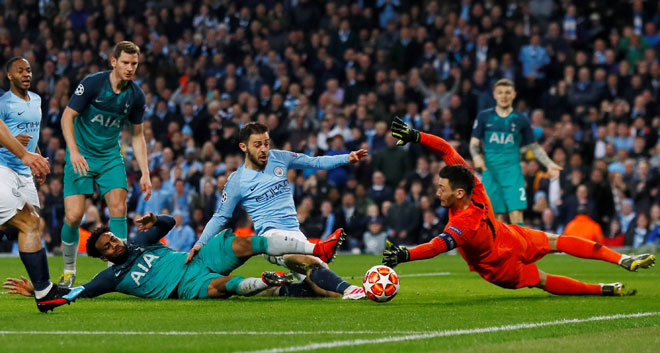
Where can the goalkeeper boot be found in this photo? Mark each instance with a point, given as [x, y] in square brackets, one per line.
[67, 280]
[615, 290]
[53, 299]
[354, 293]
[632, 263]
[327, 249]
[277, 279]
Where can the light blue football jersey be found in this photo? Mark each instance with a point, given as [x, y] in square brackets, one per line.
[266, 194]
[21, 117]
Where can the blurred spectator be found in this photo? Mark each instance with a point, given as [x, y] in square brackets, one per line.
[392, 161]
[374, 238]
[431, 227]
[160, 199]
[182, 236]
[402, 219]
[349, 218]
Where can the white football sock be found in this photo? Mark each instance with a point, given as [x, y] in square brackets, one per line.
[251, 286]
[42, 293]
[69, 254]
[286, 244]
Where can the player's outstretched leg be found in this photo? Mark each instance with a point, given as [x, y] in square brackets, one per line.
[277, 245]
[562, 285]
[74, 207]
[632, 263]
[585, 249]
[47, 295]
[588, 249]
[250, 286]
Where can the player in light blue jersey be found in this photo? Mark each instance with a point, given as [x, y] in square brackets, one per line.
[261, 186]
[20, 115]
[503, 132]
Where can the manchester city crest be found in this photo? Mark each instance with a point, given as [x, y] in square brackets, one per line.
[278, 171]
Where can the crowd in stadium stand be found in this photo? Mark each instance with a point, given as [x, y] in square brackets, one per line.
[327, 77]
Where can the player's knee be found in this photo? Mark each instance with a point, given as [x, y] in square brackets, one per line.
[73, 217]
[217, 289]
[26, 220]
[242, 246]
[117, 208]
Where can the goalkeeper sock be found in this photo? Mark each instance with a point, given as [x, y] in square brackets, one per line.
[280, 245]
[328, 280]
[118, 227]
[245, 286]
[565, 285]
[587, 249]
[70, 237]
[522, 224]
[36, 265]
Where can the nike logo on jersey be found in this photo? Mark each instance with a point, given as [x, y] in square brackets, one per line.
[98, 100]
[252, 188]
[117, 273]
[21, 112]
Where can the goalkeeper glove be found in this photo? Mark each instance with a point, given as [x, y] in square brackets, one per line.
[403, 132]
[395, 254]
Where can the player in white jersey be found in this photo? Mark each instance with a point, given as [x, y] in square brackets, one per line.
[261, 186]
[20, 115]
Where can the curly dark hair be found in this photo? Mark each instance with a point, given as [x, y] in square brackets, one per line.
[91, 241]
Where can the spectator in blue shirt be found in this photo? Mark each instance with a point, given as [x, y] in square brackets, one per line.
[533, 58]
[160, 199]
[182, 236]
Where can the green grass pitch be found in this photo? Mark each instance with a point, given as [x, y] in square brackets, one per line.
[439, 312]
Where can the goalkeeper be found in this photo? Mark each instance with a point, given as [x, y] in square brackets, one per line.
[502, 254]
[146, 268]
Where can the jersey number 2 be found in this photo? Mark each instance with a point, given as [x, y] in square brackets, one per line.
[523, 197]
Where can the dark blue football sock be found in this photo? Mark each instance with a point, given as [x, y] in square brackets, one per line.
[296, 290]
[328, 280]
[36, 265]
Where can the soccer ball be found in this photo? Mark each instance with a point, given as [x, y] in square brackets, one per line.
[380, 283]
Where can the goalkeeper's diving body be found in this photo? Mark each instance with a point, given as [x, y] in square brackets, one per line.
[503, 254]
[147, 268]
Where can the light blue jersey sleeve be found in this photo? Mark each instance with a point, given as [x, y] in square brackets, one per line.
[302, 161]
[231, 196]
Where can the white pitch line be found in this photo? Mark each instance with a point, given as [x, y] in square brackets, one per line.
[433, 274]
[427, 335]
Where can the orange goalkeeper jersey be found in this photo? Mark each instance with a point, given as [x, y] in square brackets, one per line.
[486, 244]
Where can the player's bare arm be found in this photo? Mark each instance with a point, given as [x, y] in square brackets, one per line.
[477, 155]
[140, 149]
[78, 162]
[36, 162]
[545, 160]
